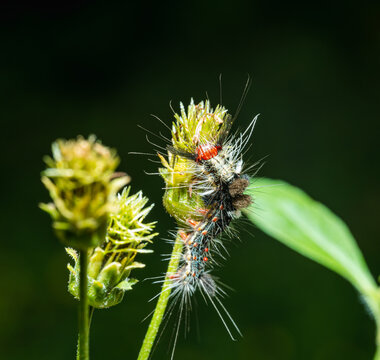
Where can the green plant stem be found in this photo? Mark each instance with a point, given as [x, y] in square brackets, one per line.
[373, 300]
[92, 309]
[83, 308]
[162, 302]
[377, 355]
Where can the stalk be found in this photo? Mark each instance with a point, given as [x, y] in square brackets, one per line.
[83, 346]
[162, 302]
[377, 354]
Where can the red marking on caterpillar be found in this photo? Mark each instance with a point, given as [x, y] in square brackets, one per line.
[193, 223]
[203, 211]
[207, 151]
[183, 235]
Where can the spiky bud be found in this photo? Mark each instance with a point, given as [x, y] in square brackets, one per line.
[111, 263]
[82, 183]
[200, 124]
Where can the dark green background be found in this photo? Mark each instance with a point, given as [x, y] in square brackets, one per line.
[102, 68]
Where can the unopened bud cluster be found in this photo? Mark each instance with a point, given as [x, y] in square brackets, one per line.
[89, 216]
[200, 124]
[82, 183]
[111, 263]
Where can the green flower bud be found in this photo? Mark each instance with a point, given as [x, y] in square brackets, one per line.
[111, 263]
[178, 200]
[82, 183]
[199, 124]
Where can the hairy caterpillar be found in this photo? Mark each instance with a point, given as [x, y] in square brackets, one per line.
[206, 163]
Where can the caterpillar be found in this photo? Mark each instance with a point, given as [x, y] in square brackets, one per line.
[208, 162]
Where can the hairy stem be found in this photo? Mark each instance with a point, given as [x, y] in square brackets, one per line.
[92, 309]
[83, 343]
[161, 303]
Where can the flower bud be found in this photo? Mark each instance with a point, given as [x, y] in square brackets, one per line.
[178, 200]
[110, 264]
[200, 124]
[82, 183]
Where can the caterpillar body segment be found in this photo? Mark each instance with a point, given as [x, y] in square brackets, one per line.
[222, 193]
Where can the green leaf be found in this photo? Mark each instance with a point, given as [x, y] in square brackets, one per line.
[127, 284]
[310, 228]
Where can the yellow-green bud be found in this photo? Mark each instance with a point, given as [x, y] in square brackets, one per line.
[177, 199]
[111, 263]
[82, 183]
[200, 124]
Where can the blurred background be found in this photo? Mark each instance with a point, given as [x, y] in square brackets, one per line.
[93, 67]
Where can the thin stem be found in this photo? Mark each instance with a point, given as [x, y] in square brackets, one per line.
[377, 354]
[83, 308]
[92, 309]
[373, 301]
[161, 303]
